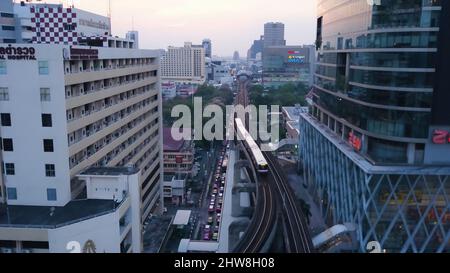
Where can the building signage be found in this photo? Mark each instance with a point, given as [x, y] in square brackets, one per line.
[17, 53]
[296, 59]
[94, 24]
[179, 159]
[441, 136]
[83, 54]
[89, 247]
[355, 141]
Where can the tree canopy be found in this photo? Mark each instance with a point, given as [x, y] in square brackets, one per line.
[286, 95]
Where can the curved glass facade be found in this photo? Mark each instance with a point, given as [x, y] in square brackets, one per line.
[390, 123]
[389, 98]
[394, 59]
[377, 64]
[380, 89]
[392, 79]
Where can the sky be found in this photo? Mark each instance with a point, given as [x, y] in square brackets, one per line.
[230, 24]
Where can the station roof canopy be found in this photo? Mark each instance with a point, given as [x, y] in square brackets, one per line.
[182, 218]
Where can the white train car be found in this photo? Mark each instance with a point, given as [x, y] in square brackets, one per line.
[257, 157]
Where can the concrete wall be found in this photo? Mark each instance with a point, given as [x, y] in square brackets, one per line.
[103, 231]
[24, 82]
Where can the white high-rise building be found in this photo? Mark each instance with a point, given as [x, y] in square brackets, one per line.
[69, 112]
[133, 36]
[184, 64]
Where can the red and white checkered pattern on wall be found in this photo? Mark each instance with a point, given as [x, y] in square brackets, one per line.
[54, 25]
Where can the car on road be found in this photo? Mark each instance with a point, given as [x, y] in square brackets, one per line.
[218, 217]
[215, 236]
[207, 231]
[207, 236]
[215, 191]
[219, 209]
[216, 228]
[210, 220]
[221, 194]
[222, 189]
[211, 208]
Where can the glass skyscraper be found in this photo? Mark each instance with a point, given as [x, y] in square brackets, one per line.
[375, 149]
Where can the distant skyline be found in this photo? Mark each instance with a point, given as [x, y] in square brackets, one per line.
[231, 25]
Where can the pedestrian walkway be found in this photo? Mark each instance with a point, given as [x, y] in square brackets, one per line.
[227, 218]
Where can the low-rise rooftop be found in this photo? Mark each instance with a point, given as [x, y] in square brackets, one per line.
[54, 217]
[110, 171]
[172, 145]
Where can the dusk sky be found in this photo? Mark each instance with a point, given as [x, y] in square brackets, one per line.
[230, 24]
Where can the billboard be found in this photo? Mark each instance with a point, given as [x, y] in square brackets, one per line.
[294, 56]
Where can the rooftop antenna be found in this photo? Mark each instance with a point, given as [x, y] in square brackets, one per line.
[109, 9]
[110, 17]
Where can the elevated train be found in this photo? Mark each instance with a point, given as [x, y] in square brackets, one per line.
[252, 148]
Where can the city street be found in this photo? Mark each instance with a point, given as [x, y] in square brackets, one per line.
[210, 161]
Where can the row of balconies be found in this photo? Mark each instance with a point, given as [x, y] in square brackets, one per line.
[145, 155]
[108, 121]
[110, 157]
[99, 145]
[77, 66]
[99, 85]
[135, 152]
[146, 167]
[87, 132]
[137, 148]
[94, 107]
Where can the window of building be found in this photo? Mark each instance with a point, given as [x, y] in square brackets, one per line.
[46, 120]
[51, 195]
[9, 41]
[43, 68]
[10, 169]
[5, 119]
[9, 28]
[45, 94]
[12, 193]
[50, 170]
[69, 27]
[48, 145]
[2, 67]
[4, 94]
[8, 145]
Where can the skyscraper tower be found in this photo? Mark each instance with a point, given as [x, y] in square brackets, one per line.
[236, 56]
[274, 34]
[375, 147]
[208, 48]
